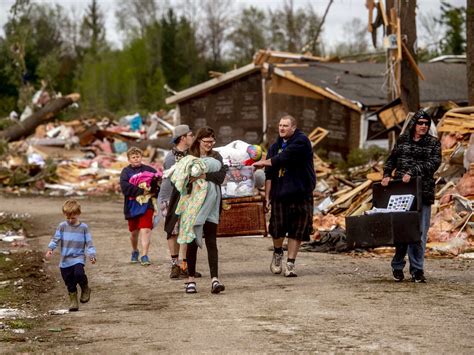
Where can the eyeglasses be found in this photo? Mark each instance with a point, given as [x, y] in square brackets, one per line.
[208, 141]
[423, 123]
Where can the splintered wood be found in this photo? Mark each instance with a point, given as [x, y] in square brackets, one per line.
[458, 120]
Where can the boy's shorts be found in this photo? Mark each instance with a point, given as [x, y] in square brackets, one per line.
[141, 222]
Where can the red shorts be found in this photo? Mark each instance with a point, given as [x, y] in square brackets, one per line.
[141, 222]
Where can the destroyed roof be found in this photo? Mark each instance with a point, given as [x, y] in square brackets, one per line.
[364, 82]
[269, 56]
[359, 84]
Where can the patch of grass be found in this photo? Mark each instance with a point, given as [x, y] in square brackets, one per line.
[9, 222]
[5, 123]
[19, 324]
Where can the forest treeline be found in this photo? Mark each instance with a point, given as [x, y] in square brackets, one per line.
[166, 48]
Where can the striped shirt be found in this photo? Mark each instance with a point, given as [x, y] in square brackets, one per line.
[75, 242]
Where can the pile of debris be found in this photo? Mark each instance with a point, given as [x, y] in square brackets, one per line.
[83, 156]
[452, 227]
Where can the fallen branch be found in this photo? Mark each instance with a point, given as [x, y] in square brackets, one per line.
[46, 113]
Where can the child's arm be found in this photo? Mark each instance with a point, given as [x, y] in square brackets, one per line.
[129, 189]
[90, 249]
[53, 244]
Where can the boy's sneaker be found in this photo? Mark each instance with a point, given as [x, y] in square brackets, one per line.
[145, 261]
[418, 277]
[275, 266]
[290, 270]
[175, 271]
[398, 275]
[134, 258]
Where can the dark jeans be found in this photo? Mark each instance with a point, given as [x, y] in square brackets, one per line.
[74, 275]
[210, 235]
[416, 251]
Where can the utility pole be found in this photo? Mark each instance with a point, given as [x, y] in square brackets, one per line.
[401, 62]
[470, 50]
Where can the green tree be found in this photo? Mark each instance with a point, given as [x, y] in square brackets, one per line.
[454, 20]
[170, 65]
[189, 56]
[93, 30]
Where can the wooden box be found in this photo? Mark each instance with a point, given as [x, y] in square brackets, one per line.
[242, 216]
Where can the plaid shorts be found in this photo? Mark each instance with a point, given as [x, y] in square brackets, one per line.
[164, 207]
[292, 219]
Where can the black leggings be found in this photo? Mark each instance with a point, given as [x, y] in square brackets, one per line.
[210, 234]
[74, 275]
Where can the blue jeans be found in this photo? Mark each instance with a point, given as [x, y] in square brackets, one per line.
[416, 251]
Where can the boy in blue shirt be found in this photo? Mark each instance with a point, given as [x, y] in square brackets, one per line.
[75, 242]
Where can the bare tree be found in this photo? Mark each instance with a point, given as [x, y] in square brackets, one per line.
[430, 31]
[134, 16]
[217, 21]
[293, 28]
[356, 39]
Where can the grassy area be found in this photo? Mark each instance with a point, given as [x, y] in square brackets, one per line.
[13, 222]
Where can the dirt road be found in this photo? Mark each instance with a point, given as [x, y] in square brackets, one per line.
[338, 303]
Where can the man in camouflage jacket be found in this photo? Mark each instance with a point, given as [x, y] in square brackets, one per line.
[416, 153]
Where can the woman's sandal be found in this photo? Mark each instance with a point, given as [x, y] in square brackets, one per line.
[217, 287]
[191, 287]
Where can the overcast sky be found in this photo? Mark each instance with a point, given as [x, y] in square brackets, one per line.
[341, 12]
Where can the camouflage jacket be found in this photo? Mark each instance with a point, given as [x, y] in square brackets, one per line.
[416, 158]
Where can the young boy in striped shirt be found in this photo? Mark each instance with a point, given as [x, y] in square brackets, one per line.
[75, 242]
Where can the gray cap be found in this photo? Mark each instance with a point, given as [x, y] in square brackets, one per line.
[179, 131]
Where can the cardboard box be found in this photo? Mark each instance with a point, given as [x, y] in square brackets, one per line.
[386, 229]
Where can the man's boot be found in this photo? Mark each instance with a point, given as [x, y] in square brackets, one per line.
[85, 293]
[74, 305]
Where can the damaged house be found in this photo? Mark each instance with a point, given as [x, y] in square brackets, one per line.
[246, 103]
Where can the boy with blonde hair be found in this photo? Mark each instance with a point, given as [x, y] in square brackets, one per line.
[75, 241]
[139, 215]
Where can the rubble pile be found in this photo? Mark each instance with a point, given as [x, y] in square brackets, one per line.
[83, 156]
[452, 226]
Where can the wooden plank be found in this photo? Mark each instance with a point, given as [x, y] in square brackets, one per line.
[460, 115]
[412, 62]
[384, 13]
[317, 135]
[345, 182]
[370, 4]
[399, 40]
[351, 194]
